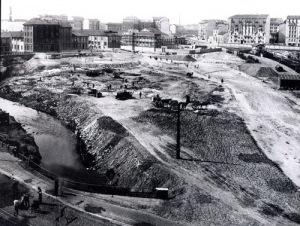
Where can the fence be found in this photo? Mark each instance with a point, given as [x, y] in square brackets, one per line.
[76, 185]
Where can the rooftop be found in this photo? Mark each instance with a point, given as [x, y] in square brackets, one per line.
[87, 32]
[39, 21]
[276, 20]
[293, 17]
[12, 34]
[17, 34]
[248, 16]
[5, 34]
[289, 77]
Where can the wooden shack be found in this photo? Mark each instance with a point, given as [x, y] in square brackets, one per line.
[289, 81]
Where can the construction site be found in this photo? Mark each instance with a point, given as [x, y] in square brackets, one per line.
[150, 139]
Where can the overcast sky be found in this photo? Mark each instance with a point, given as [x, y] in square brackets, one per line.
[189, 11]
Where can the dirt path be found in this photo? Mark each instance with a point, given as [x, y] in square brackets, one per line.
[112, 214]
[272, 119]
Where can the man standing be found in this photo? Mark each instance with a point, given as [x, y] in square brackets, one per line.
[26, 200]
[40, 195]
[16, 206]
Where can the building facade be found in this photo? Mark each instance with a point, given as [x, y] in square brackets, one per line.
[131, 23]
[249, 29]
[114, 27]
[212, 30]
[145, 40]
[274, 30]
[6, 46]
[162, 24]
[54, 17]
[17, 41]
[95, 40]
[114, 39]
[77, 23]
[293, 31]
[94, 24]
[282, 33]
[47, 36]
[79, 40]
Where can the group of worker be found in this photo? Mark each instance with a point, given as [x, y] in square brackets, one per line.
[24, 201]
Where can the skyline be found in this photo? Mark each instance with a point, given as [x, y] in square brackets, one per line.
[178, 13]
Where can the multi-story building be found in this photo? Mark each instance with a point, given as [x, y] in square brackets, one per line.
[77, 23]
[249, 29]
[54, 17]
[12, 42]
[162, 24]
[6, 45]
[94, 24]
[282, 33]
[79, 40]
[103, 26]
[210, 30]
[274, 29]
[17, 41]
[145, 24]
[47, 35]
[114, 39]
[96, 40]
[145, 40]
[114, 27]
[205, 30]
[293, 31]
[173, 29]
[131, 23]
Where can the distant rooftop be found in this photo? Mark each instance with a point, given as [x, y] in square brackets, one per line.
[17, 34]
[276, 21]
[39, 21]
[87, 32]
[212, 20]
[248, 16]
[5, 34]
[12, 34]
[293, 17]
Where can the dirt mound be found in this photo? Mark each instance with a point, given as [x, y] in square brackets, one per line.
[256, 70]
[250, 69]
[17, 141]
[266, 72]
[113, 147]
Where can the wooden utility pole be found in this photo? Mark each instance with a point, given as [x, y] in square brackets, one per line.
[178, 133]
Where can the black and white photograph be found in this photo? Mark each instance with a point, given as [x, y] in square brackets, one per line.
[150, 113]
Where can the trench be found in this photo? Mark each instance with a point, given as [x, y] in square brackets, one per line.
[57, 144]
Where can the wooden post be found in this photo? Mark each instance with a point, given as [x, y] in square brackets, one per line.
[178, 133]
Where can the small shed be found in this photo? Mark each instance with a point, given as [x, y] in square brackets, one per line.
[162, 193]
[289, 81]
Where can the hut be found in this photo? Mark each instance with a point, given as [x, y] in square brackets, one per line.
[289, 81]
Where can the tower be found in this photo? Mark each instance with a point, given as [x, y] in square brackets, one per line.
[10, 14]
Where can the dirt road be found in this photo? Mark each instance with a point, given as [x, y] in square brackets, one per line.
[271, 116]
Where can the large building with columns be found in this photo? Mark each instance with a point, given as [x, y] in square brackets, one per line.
[249, 29]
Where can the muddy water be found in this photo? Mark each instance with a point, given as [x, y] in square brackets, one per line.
[57, 144]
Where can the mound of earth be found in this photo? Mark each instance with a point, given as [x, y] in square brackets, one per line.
[266, 72]
[17, 139]
[111, 146]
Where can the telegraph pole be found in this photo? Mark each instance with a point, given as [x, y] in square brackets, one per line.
[133, 41]
[178, 133]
